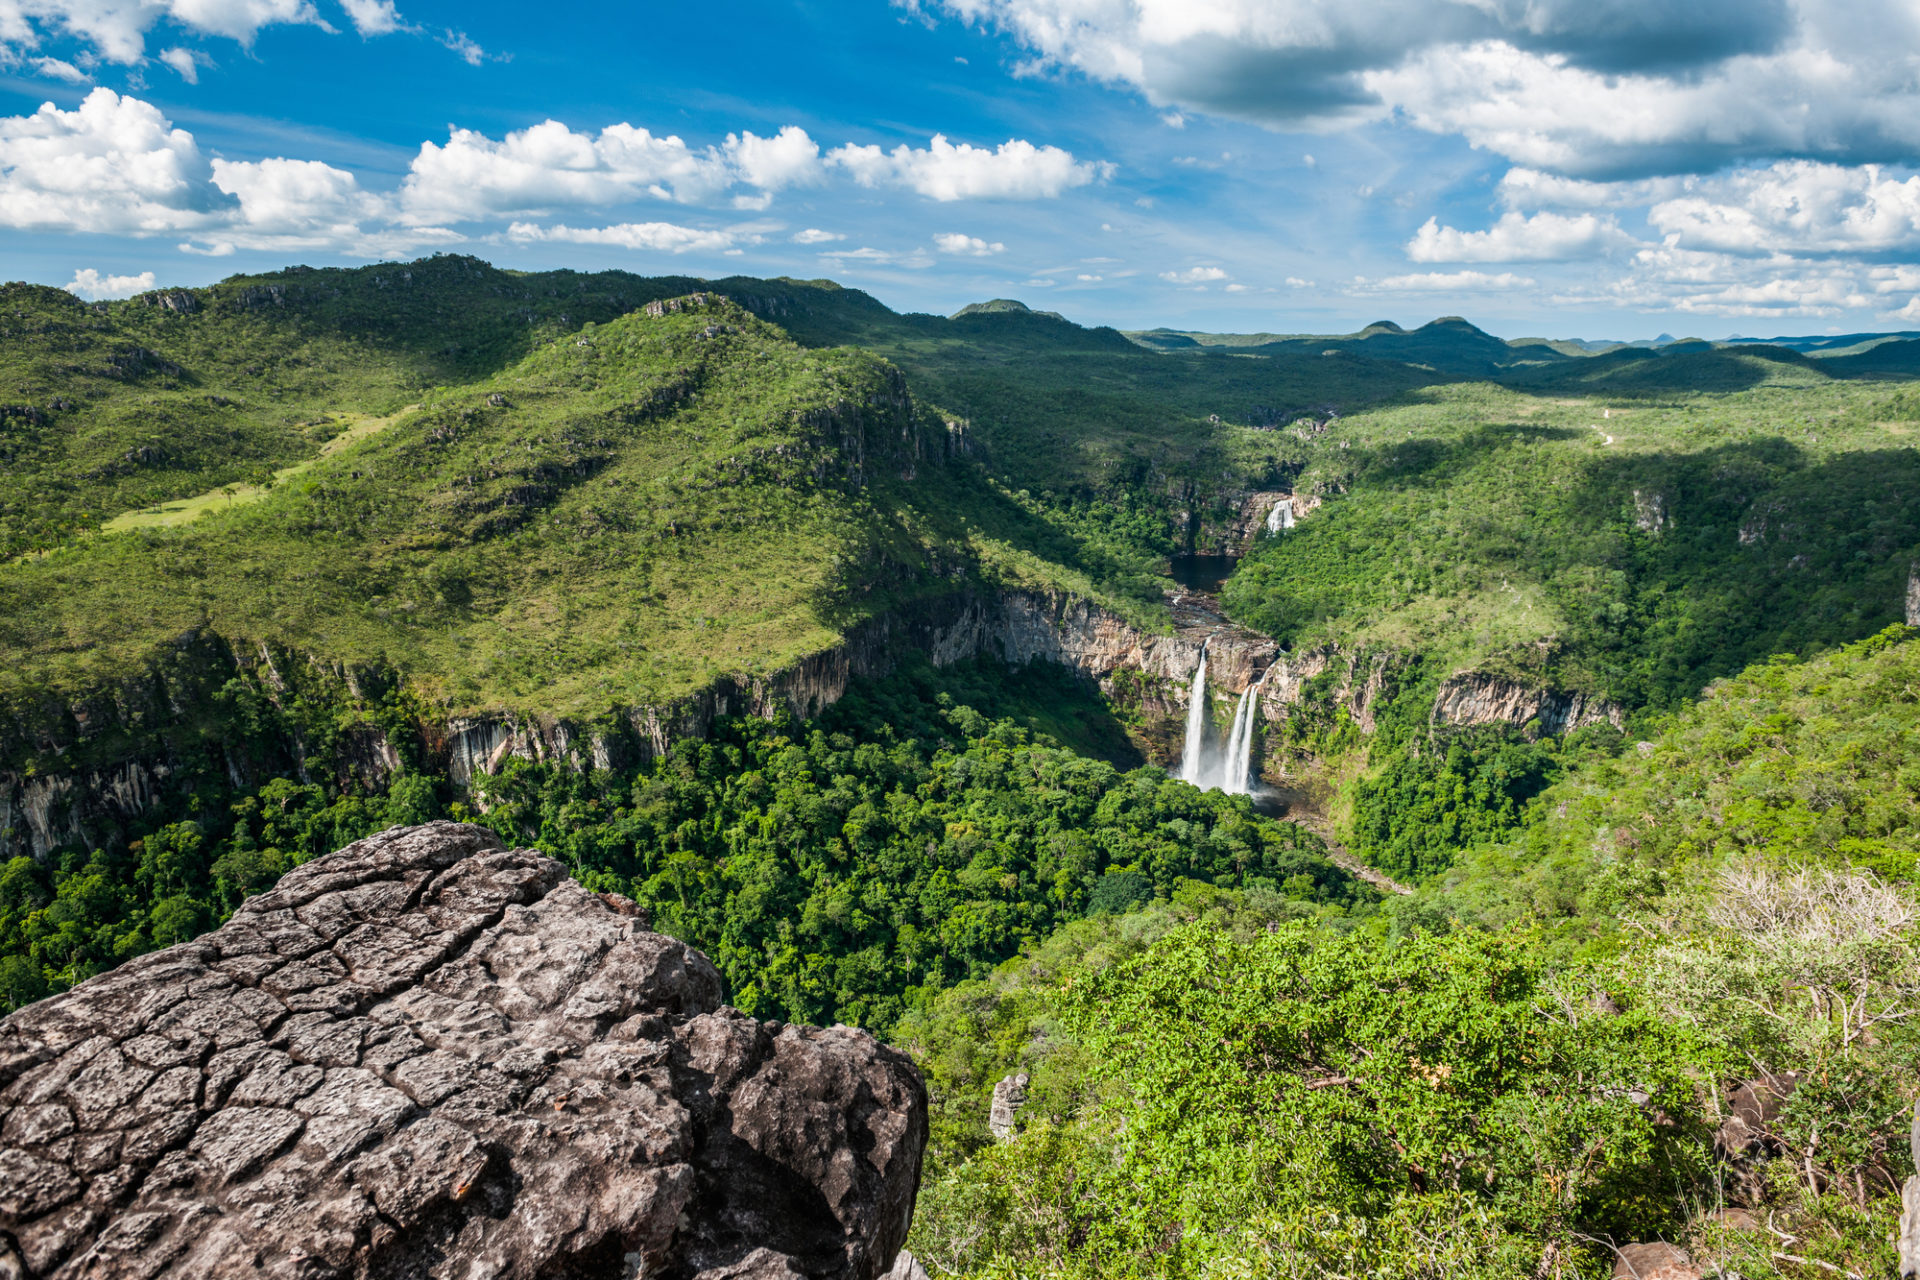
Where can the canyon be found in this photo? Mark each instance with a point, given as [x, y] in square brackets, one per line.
[81, 771]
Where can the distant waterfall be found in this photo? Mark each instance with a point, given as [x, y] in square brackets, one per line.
[1193, 751]
[1201, 762]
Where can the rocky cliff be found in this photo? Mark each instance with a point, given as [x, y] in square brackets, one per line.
[81, 772]
[430, 1056]
[1477, 698]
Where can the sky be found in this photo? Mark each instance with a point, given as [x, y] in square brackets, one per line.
[1565, 168]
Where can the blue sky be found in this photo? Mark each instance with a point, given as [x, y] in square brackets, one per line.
[1594, 168]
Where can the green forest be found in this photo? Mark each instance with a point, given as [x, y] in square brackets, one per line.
[268, 549]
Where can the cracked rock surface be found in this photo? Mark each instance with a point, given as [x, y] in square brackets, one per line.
[430, 1056]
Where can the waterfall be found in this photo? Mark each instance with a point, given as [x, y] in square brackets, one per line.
[1205, 767]
[1193, 751]
[1234, 778]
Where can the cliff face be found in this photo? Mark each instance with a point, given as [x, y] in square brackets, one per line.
[429, 1056]
[142, 737]
[1476, 698]
[48, 798]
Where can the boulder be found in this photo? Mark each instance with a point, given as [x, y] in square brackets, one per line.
[427, 1055]
[1656, 1261]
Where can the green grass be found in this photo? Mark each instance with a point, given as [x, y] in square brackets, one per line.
[355, 428]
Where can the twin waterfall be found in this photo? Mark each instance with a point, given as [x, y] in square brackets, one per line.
[1201, 762]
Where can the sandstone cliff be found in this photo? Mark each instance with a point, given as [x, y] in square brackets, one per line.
[429, 1056]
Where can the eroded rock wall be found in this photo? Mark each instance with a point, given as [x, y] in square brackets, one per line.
[430, 1056]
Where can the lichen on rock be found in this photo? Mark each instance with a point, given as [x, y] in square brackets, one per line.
[429, 1055]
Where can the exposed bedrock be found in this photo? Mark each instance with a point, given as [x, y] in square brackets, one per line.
[82, 774]
[430, 1056]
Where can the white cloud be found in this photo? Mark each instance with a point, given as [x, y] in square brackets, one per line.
[1295, 282]
[373, 17]
[116, 30]
[90, 284]
[60, 70]
[1441, 282]
[1523, 188]
[297, 203]
[788, 159]
[1089, 279]
[914, 259]
[1797, 206]
[1016, 170]
[1194, 275]
[967, 246]
[115, 165]
[112, 164]
[813, 235]
[1589, 87]
[1544, 237]
[468, 49]
[186, 63]
[550, 165]
[651, 237]
[1701, 282]
[1237, 288]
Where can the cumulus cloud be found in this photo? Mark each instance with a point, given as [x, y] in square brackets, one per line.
[1796, 206]
[373, 17]
[116, 31]
[112, 164]
[652, 237]
[1544, 237]
[550, 165]
[116, 165]
[967, 246]
[1194, 275]
[1596, 88]
[1015, 170]
[90, 284]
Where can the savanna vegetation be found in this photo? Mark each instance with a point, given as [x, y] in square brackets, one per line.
[419, 491]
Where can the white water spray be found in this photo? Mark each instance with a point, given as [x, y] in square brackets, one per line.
[1193, 751]
[1202, 763]
[1234, 778]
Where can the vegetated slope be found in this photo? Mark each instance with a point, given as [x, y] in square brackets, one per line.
[1534, 1059]
[113, 406]
[922, 832]
[1631, 548]
[611, 522]
[1793, 762]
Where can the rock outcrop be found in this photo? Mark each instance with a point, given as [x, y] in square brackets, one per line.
[1008, 1097]
[1475, 697]
[427, 1055]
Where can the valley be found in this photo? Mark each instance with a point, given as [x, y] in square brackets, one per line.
[1357, 781]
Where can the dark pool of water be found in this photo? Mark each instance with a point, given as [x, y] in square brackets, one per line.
[1202, 573]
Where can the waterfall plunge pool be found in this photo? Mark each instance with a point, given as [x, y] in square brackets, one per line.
[1201, 573]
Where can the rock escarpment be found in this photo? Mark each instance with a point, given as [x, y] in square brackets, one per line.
[427, 1055]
